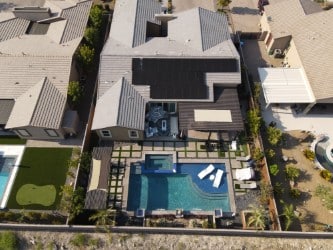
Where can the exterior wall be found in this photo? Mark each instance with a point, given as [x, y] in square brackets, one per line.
[120, 134]
[279, 43]
[74, 75]
[292, 56]
[264, 24]
[37, 133]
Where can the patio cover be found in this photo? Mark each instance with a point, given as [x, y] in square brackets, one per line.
[285, 85]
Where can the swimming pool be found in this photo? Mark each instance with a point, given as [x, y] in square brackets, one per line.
[6, 166]
[180, 190]
[158, 163]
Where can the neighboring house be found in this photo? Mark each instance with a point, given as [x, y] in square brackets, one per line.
[163, 73]
[302, 32]
[37, 45]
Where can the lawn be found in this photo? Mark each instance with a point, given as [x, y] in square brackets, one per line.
[41, 174]
[11, 140]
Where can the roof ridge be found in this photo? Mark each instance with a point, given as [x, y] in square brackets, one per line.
[37, 101]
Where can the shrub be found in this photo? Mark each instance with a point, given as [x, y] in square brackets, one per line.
[254, 120]
[74, 92]
[295, 193]
[8, 240]
[270, 153]
[309, 154]
[79, 240]
[258, 155]
[274, 135]
[292, 172]
[266, 192]
[274, 169]
[278, 189]
[327, 175]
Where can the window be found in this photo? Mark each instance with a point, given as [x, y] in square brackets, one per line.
[51, 132]
[106, 133]
[23, 132]
[133, 134]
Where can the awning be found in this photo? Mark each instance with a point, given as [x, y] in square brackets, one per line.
[209, 115]
[285, 85]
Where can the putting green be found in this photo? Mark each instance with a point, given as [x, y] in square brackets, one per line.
[29, 194]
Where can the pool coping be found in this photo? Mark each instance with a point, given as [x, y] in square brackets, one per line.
[226, 162]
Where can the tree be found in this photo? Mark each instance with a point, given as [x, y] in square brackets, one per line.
[74, 92]
[274, 169]
[292, 172]
[274, 135]
[288, 215]
[85, 56]
[95, 16]
[91, 35]
[221, 4]
[77, 202]
[254, 121]
[104, 217]
[258, 217]
[327, 175]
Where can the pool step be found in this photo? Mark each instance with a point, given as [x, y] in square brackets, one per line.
[137, 169]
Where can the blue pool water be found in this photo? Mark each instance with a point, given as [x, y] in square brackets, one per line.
[6, 165]
[180, 190]
[158, 164]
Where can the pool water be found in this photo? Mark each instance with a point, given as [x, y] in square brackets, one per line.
[6, 165]
[180, 190]
[158, 162]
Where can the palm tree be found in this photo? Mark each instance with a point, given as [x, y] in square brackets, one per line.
[104, 217]
[292, 172]
[288, 214]
[258, 217]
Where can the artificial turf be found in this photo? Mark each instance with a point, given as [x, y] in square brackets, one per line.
[40, 167]
[12, 140]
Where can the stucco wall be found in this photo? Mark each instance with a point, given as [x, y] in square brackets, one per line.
[40, 134]
[120, 134]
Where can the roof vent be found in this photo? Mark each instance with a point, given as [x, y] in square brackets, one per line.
[269, 19]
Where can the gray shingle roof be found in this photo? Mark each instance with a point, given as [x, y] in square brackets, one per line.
[41, 106]
[13, 28]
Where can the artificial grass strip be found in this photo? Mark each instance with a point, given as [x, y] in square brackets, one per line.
[12, 140]
[41, 166]
[30, 194]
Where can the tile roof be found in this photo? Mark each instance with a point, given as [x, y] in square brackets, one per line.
[12, 28]
[125, 107]
[5, 110]
[27, 59]
[312, 35]
[41, 106]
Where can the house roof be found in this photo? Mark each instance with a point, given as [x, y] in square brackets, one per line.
[5, 110]
[206, 36]
[179, 78]
[41, 106]
[96, 199]
[311, 34]
[285, 85]
[26, 59]
[225, 101]
[121, 106]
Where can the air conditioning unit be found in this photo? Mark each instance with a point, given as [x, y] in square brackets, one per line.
[278, 53]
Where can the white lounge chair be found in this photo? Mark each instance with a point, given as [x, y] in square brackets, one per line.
[206, 171]
[233, 145]
[218, 178]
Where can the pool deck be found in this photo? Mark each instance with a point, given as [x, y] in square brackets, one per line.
[186, 152]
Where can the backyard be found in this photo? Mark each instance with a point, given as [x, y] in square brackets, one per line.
[41, 174]
[11, 140]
